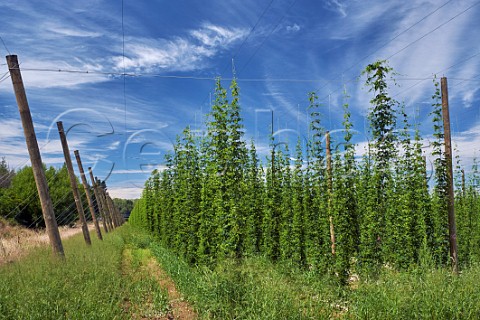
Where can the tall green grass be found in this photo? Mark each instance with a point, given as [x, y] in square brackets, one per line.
[87, 285]
[253, 289]
[94, 283]
[91, 283]
[419, 294]
[257, 289]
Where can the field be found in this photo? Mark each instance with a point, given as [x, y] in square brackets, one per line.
[131, 276]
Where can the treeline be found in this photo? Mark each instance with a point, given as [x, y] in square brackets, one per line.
[19, 201]
[125, 206]
[316, 208]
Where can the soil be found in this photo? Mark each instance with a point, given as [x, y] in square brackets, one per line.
[180, 309]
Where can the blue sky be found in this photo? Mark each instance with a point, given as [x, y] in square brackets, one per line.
[281, 50]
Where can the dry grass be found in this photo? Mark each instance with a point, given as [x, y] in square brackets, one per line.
[16, 241]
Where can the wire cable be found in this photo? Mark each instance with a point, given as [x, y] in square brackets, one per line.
[398, 35]
[418, 39]
[5, 46]
[271, 32]
[433, 30]
[251, 31]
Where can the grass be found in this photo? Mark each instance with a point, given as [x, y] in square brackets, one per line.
[258, 289]
[146, 299]
[86, 285]
[118, 279]
[92, 283]
[420, 294]
[253, 289]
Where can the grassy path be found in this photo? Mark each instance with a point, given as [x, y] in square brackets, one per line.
[158, 297]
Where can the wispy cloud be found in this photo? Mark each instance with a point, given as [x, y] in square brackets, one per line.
[337, 6]
[68, 31]
[186, 53]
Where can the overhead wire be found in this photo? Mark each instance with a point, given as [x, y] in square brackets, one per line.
[265, 39]
[203, 78]
[398, 35]
[435, 29]
[5, 76]
[242, 44]
[251, 32]
[421, 38]
[439, 72]
[5, 46]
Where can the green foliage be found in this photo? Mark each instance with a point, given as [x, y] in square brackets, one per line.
[6, 174]
[125, 206]
[20, 200]
[216, 200]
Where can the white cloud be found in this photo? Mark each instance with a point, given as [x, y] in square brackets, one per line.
[178, 54]
[64, 30]
[337, 6]
[125, 193]
[213, 36]
[10, 128]
[293, 28]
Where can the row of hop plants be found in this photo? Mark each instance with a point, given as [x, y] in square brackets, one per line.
[321, 211]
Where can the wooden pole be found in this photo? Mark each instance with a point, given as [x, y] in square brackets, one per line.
[107, 208]
[87, 193]
[116, 212]
[97, 198]
[273, 153]
[35, 157]
[73, 183]
[329, 190]
[452, 228]
[112, 210]
[118, 215]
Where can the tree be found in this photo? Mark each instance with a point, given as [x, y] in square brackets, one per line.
[6, 174]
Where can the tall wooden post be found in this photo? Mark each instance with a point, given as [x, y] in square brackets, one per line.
[112, 210]
[87, 193]
[115, 212]
[35, 157]
[73, 183]
[99, 201]
[329, 189]
[111, 215]
[273, 153]
[452, 228]
[108, 208]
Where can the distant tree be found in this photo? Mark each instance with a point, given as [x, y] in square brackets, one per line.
[125, 206]
[6, 174]
[23, 196]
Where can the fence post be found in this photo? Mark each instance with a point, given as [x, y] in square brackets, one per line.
[73, 183]
[452, 228]
[35, 157]
[87, 193]
[97, 198]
